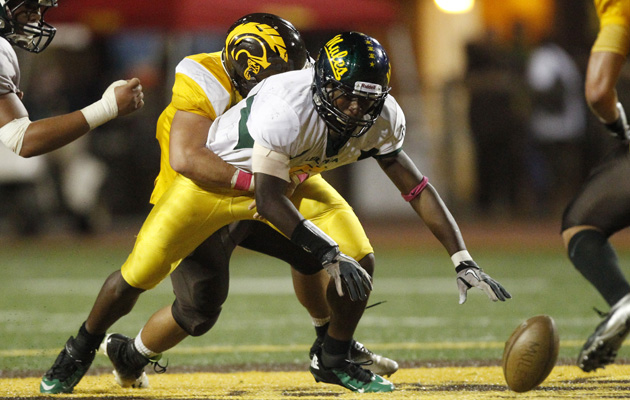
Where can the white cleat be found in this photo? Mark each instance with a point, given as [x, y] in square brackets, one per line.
[376, 363]
[602, 346]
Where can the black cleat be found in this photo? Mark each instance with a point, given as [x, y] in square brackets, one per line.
[67, 371]
[128, 362]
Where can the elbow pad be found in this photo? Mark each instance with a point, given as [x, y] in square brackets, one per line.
[270, 162]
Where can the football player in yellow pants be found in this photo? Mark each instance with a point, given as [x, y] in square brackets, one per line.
[203, 89]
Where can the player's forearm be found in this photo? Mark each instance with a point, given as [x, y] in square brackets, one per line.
[203, 166]
[430, 207]
[605, 108]
[273, 205]
[601, 78]
[49, 134]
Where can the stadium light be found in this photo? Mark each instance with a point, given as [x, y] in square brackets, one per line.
[455, 6]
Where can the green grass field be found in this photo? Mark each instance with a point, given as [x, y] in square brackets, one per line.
[49, 286]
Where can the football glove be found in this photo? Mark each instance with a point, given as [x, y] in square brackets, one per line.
[469, 275]
[620, 128]
[349, 274]
[345, 271]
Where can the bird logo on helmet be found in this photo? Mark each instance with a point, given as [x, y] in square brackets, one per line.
[355, 65]
[22, 23]
[256, 52]
[260, 45]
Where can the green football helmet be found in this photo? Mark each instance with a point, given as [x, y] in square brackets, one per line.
[355, 65]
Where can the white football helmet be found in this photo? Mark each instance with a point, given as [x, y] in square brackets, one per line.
[18, 26]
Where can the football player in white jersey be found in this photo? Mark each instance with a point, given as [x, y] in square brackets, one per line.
[340, 115]
[205, 86]
[22, 25]
[299, 124]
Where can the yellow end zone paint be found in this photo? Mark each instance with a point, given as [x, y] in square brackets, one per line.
[457, 383]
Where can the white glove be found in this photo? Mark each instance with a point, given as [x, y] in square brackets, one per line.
[469, 275]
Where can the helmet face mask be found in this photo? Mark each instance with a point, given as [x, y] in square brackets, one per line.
[18, 26]
[351, 67]
[260, 45]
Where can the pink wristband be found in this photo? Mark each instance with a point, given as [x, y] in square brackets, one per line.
[302, 177]
[243, 180]
[415, 192]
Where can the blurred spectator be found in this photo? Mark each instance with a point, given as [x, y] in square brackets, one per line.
[557, 127]
[133, 160]
[497, 122]
[61, 79]
[20, 179]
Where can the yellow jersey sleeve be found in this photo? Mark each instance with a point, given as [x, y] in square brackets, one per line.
[201, 87]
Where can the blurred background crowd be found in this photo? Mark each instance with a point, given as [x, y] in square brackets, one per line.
[493, 92]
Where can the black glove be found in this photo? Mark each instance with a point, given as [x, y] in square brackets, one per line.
[469, 275]
[620, 128]
[348, 273]
[343, 269]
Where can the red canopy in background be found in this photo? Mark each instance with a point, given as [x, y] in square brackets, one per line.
[106, 16]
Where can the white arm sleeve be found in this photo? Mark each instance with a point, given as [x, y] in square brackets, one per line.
[270, 162]
[12, 134]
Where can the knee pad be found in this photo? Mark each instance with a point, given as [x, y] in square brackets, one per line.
[195, 322]
[200, 283]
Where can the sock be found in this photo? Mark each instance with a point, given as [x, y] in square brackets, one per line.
[592, 254]
[85, 342]
[335, 352]
[321, 326]
[144, 350]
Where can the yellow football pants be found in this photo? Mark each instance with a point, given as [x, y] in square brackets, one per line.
[187, 214]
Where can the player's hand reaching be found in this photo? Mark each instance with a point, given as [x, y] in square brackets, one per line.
[349, 277]
[129, 96]
[470, 275]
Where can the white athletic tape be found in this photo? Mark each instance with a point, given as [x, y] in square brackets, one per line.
[105, 109]
[460, 256]
[12, 134]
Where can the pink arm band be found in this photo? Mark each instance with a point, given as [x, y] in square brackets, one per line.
[415, 192]
[243, 180]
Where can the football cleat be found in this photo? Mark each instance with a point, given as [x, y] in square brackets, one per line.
[376, 363]
[360, 354]
[128, 362]
[67, 371]
[602, 346]
[349, 375]
[315, 348]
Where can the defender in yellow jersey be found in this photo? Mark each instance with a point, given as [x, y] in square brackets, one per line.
[601, 207]
[202, 91]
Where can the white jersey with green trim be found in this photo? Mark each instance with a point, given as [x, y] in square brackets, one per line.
[279, 114]
[9, 68]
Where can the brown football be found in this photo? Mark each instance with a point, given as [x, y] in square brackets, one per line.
[530, 353]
